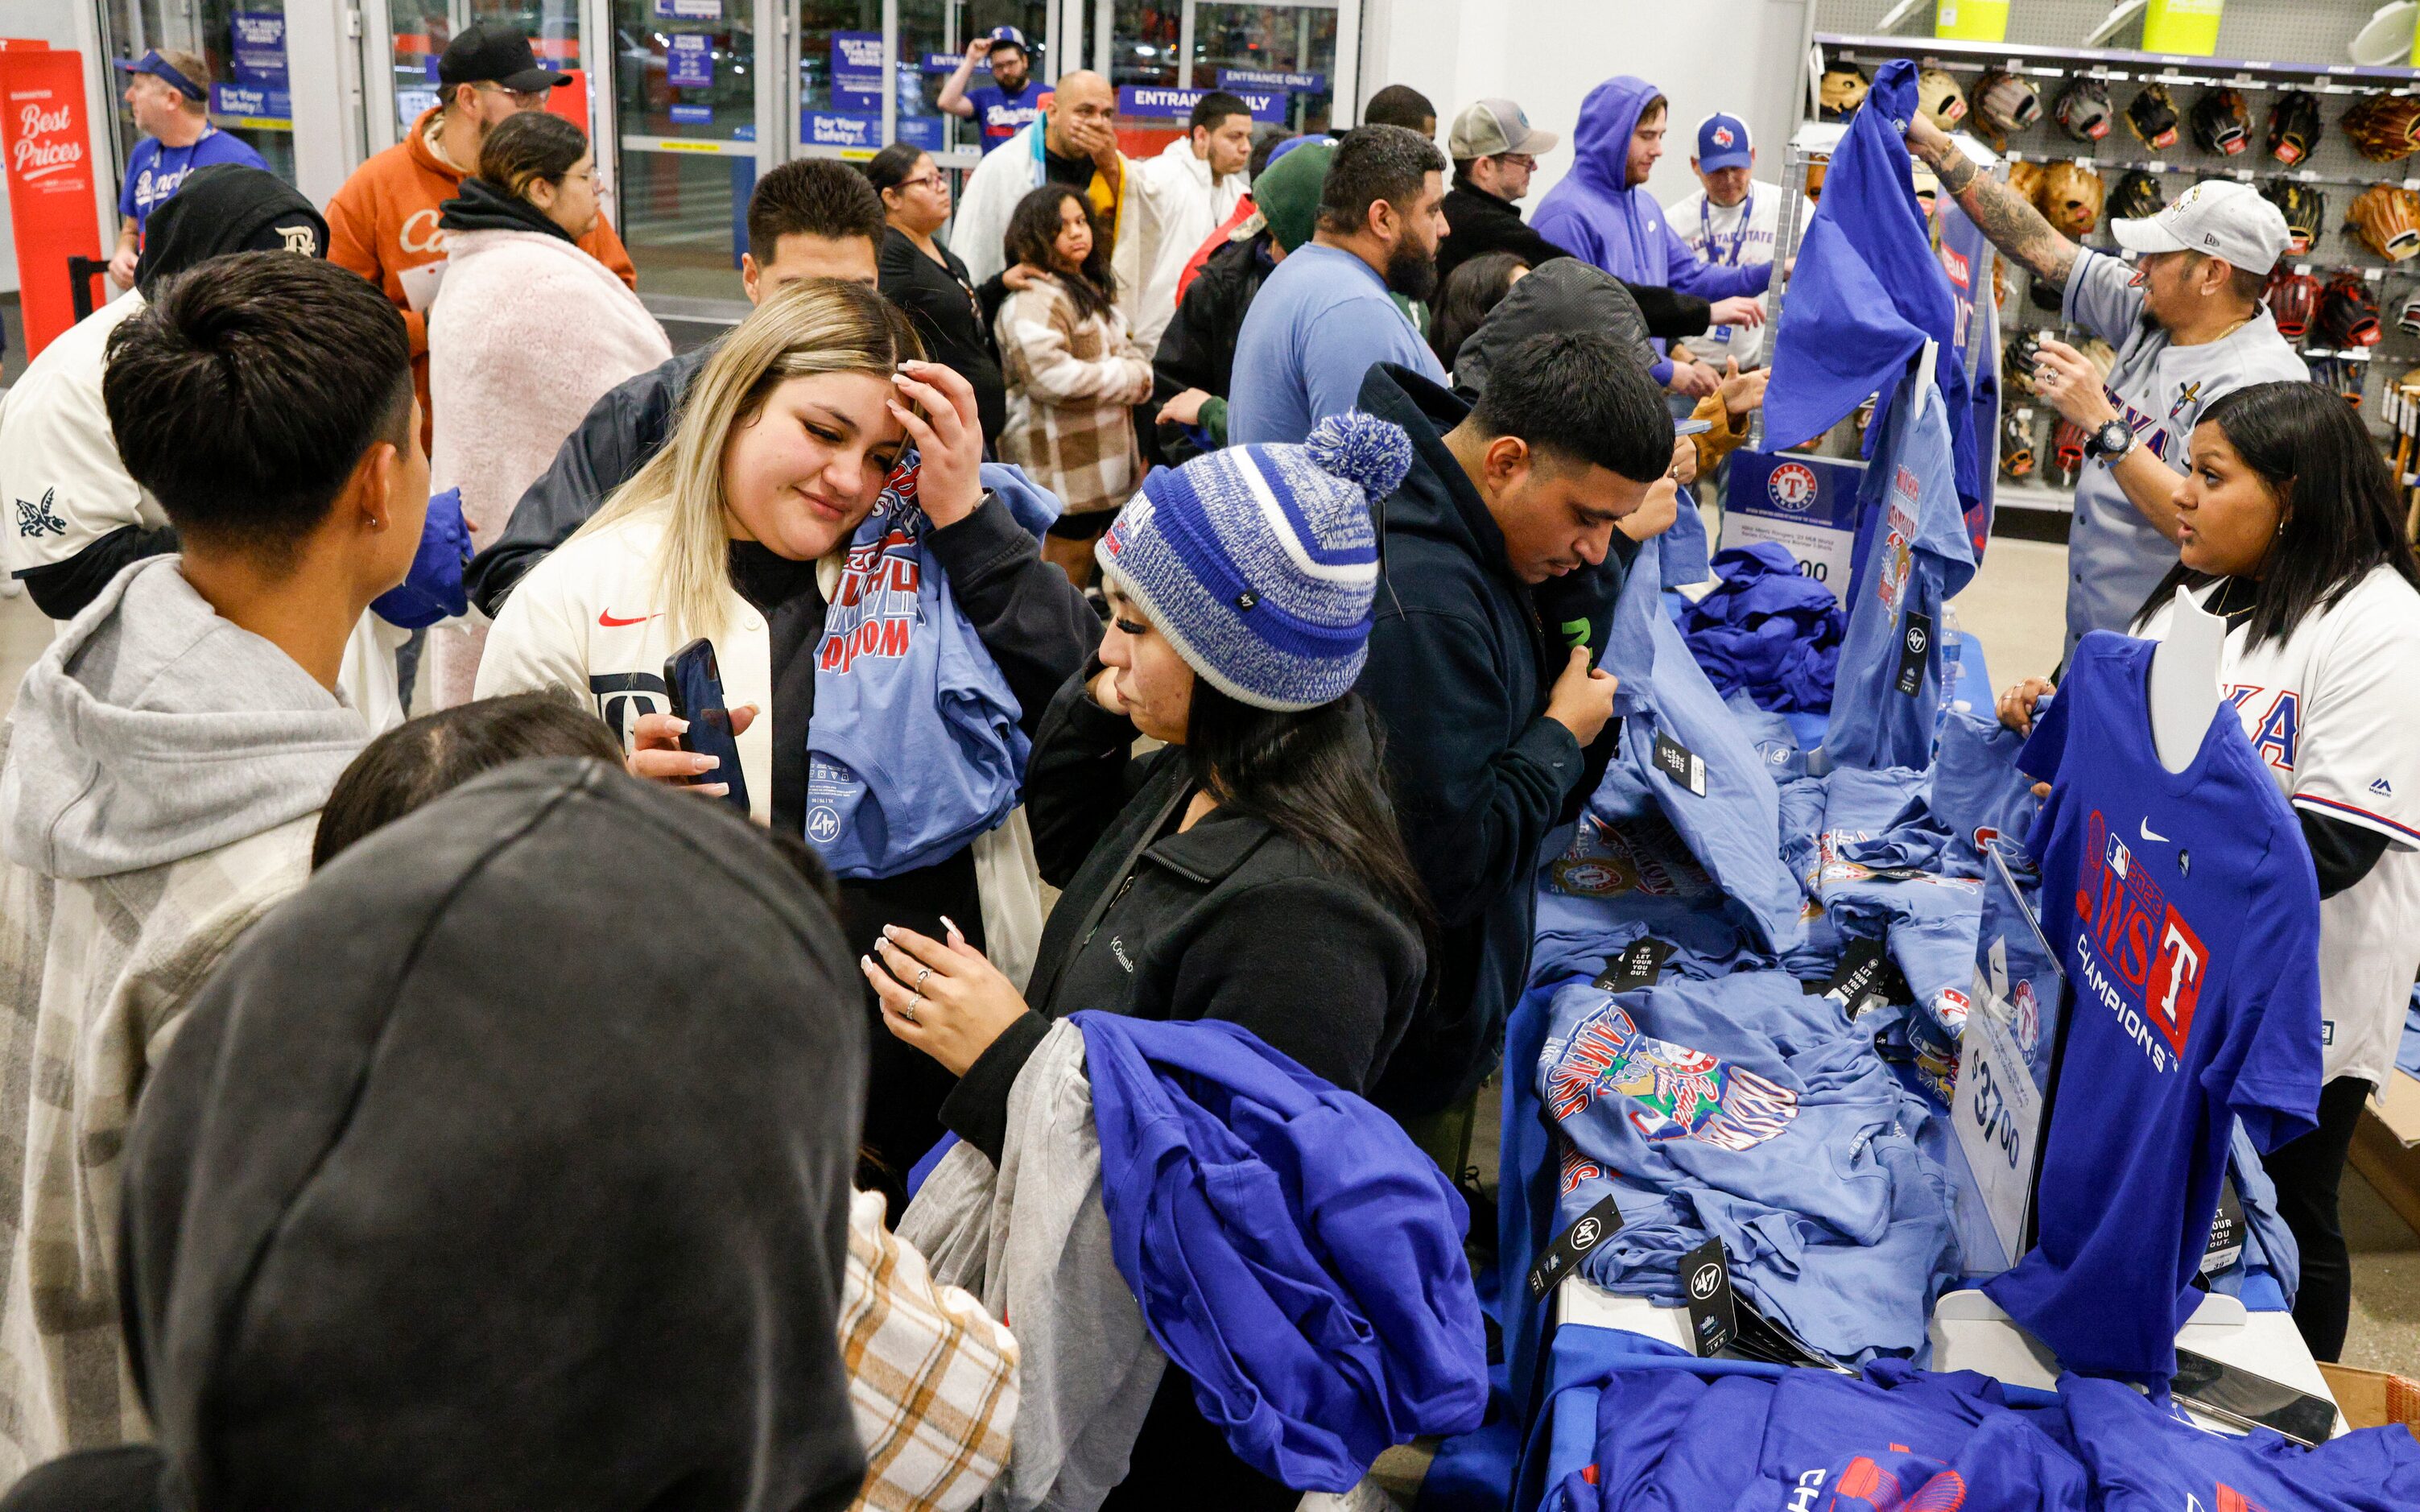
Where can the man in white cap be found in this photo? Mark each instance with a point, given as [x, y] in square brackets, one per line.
[1731, 222]
[2189, 325]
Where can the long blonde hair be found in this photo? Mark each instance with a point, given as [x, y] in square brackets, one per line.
[815, 325]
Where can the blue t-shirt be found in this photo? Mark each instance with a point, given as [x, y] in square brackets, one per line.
[1320, 322]
[1000, 114]
[2141, 1459]
[155, 173]
[2185, 910]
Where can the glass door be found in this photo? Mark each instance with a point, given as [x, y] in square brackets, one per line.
[242, 44]
[1284, 60]
[689, 104]
[842, 60]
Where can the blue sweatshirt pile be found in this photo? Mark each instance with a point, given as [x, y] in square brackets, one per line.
[1293, 1252]
[1767, 631]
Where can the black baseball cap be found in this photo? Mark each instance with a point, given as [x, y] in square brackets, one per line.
[481, 53]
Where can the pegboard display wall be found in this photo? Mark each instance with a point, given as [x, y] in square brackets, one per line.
[2313, 31]
[2333, 168]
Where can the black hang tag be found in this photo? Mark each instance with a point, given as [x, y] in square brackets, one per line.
[1562, 1257]
[1640, 964]
[1914, 647]
[2226, 1245]
[1681, 764]
[1859, 984]
[1706, 1281]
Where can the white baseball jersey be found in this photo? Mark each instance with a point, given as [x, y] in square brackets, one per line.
[65, 488]
[2330, 711]
[1735, 236]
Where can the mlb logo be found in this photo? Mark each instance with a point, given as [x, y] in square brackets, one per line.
[1722, 137]
[2118, 856]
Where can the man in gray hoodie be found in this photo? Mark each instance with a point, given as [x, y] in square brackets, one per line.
[163, 768]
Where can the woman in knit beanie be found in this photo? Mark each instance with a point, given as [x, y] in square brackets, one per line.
[1249, 869]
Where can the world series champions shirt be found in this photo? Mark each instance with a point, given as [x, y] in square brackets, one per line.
[2186, 911]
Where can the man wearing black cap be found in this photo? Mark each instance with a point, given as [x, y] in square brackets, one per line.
[167, 89]
[382, 223]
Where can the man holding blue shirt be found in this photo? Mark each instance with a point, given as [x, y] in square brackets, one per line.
[167, 90]
[1323, 319]
[1010, 102]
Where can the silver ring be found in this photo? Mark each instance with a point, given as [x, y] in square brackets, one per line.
[909, 1011]
[917, 984]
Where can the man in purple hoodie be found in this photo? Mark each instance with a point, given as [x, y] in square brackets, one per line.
[1603, 213]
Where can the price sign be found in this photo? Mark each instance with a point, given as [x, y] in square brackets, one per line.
[1997, 1112]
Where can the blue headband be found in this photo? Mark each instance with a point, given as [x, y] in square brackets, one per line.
[159, 67]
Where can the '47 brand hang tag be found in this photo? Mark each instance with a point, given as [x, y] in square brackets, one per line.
[1915, 644]
[1595, 1227]
[1680, 763]
[1706, 1279]
[1640, 964]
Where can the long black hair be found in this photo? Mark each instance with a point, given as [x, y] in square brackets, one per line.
[1033, 238]
[1316, 776]
[2342, 514]
[1474, 289]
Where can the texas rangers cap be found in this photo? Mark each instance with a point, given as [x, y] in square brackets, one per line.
[2218, 218]
[1009, 37]
[1722, 143]
[1490, 128]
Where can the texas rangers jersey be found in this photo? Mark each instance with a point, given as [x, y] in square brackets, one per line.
[2332, 713]
[2184, 908]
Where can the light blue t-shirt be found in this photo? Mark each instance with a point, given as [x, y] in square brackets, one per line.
[1317, 326]
[154, 173]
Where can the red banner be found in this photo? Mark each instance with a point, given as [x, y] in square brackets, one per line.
[48, 147]
[571, 100]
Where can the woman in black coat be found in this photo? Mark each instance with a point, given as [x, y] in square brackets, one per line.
[1248, 870]
[926, 279]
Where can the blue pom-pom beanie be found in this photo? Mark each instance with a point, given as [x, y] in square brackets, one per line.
[1260, 563]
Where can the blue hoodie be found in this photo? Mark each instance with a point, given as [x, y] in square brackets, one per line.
[1599, 217]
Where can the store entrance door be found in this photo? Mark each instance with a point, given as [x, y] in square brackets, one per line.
[696, 115]
[1293, 64]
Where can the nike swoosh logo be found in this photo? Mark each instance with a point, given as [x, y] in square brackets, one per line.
[605, 617]
[2148, 836]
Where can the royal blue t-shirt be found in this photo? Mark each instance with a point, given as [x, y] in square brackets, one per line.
[2143, 1459]
[2186, 912]
[1000, 114]
[155, 173]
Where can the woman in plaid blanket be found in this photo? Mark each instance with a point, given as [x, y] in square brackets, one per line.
[1071, 369]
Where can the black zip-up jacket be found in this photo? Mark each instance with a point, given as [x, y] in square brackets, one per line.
[939, 298]
[1231, 919]
[1460, 668]
[1482, 222]
[615, 438]
[1198, 349]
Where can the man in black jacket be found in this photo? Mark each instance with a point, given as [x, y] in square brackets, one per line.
[1494, 150]
[811, 219]
[1486, 709]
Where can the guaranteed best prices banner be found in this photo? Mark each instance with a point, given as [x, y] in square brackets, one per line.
[47, 144]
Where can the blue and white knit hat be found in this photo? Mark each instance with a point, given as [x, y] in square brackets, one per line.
[1259, 563]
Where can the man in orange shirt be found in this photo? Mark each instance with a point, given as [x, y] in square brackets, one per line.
[383, 223]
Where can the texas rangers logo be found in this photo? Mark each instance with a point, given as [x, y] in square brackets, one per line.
[1674, 1092]
[1722, 137]
[39, 517]
[2137, 955]
[1791, 487]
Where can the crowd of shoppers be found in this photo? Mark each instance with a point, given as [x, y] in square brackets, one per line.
[456, 1071]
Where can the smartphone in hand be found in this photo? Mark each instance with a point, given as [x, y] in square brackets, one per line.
[694, 682]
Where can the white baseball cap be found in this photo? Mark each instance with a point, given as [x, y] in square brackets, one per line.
[2218, 218]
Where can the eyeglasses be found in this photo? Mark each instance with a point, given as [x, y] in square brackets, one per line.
[524, 99]
[1517, 160]
[921, 179]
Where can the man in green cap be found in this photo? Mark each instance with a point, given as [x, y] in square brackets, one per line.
[1195, 358]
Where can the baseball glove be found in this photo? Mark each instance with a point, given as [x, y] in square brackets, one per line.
[2046, 296]
[2007, 102]
[2348, 311]
[2071, 198]
[2220, 122]
[2151, 116]
[2082, 110]
[2304, 207]
[2067, 447]
[2293, 126]
[2341, 377]
[2138, 195]
[2293, 298]
[2407, 319]
[1841, 92]
[2026, 179]
[1939, 97]
[2017, 444]
[2099, 354]
[2386, 217]
[2024, 355]
[2383, 127]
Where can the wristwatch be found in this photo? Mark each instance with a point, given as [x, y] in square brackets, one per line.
[2111, 442]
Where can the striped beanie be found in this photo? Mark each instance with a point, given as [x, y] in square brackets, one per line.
[1259, 563]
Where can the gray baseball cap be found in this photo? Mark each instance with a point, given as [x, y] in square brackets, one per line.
[1489, 127]
[2218, 218]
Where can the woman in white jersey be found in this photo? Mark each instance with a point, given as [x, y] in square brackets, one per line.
[2289, 526]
